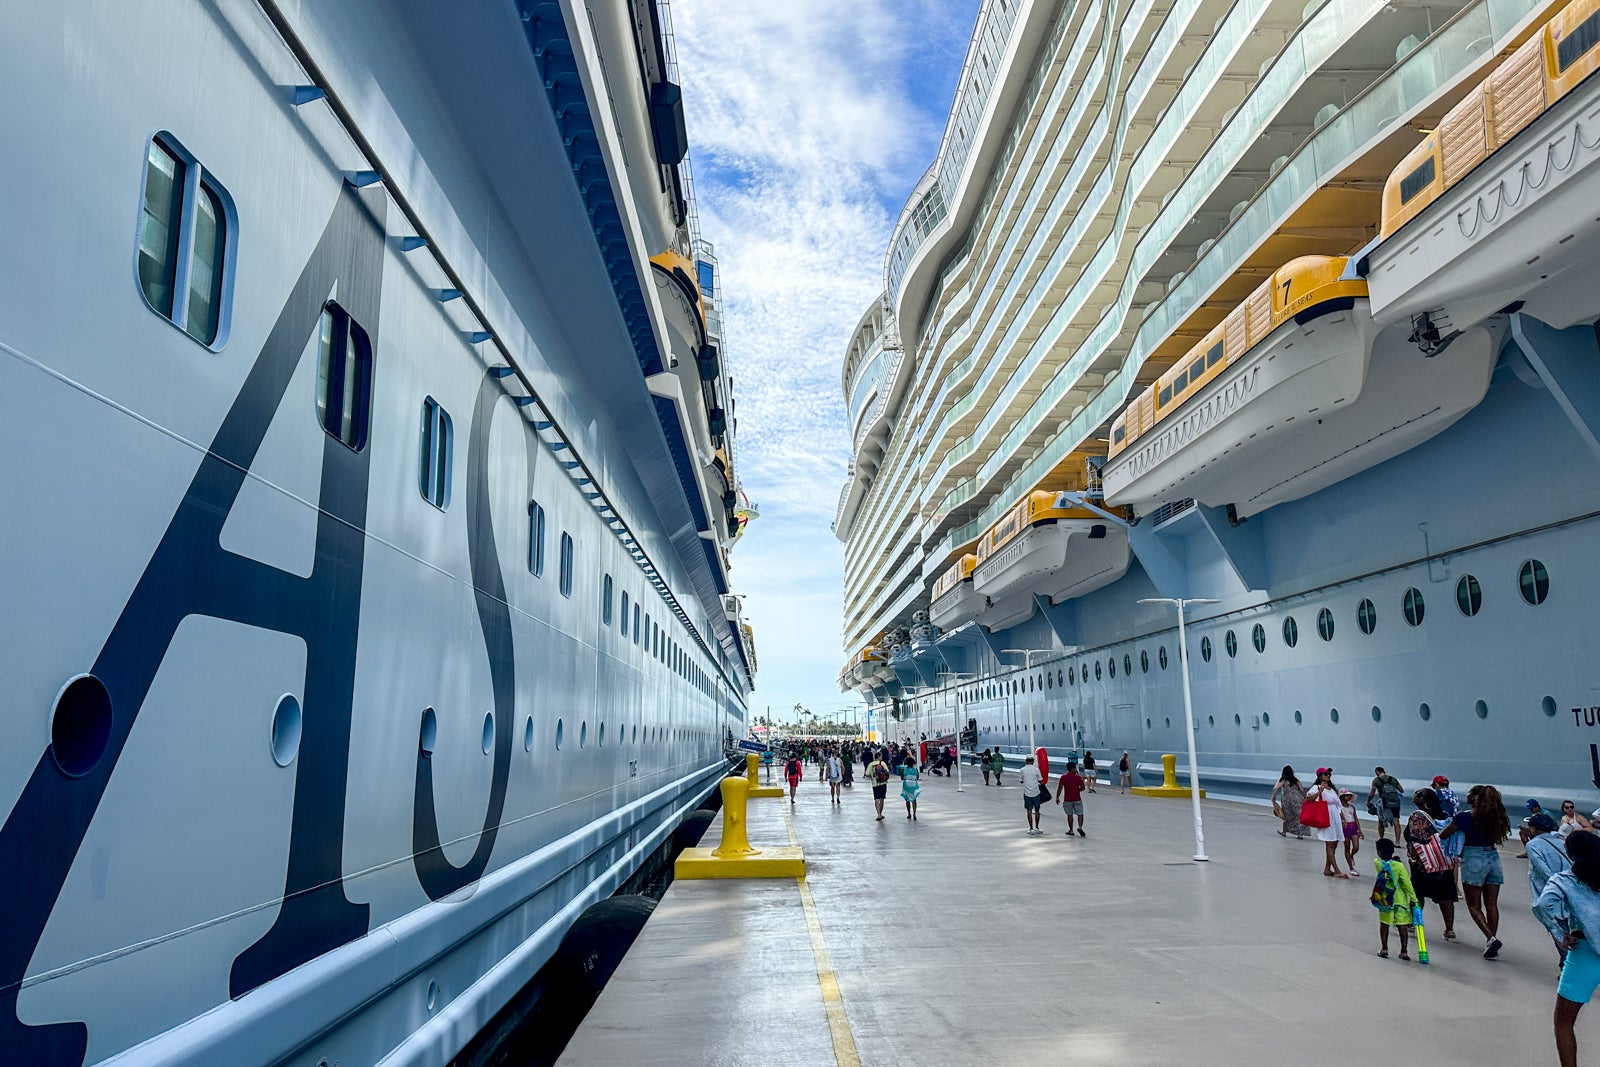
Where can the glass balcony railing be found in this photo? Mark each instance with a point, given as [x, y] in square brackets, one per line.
[1319, 158]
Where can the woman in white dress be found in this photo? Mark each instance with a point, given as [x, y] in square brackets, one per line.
[1331, 834]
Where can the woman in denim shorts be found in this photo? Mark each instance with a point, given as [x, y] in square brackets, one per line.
[1483, 825]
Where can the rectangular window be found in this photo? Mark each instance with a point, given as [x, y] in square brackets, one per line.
[1119, 434]
[623, 622]
[1214, 354]
[605, 602]
[1165, 396]
[1583, 37]
[637, 633]
[183, 246]
[707, 278]
[535, 539]
[344, 377]
[566, 564]
[433, 479]
[1180, 382]
[1416, 181]
[159, 224]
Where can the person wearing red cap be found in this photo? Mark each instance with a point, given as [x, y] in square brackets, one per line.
[1448, 801]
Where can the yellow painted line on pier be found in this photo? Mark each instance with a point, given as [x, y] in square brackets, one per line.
[844, 1043]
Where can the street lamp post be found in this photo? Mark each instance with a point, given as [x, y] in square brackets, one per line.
[955, 707]
[1027, 665]
[1188, 718]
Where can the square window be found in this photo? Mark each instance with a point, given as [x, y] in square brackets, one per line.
[184, 249]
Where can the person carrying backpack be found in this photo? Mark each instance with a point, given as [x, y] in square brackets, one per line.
[792, 771]
[1384, 799]
[1394, 898]
[878, 775]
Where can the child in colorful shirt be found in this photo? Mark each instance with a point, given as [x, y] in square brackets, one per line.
[1394, 898]
[1352, 828]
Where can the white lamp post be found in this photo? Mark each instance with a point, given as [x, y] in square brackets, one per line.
[1027, 665]
[1188, 718]
[955, 680]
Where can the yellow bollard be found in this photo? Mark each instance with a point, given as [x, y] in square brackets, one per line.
[751, 760]
[735, 857]
[735, 841]
[1169, 786]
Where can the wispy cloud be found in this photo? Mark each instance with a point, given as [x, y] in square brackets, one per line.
[810, 121]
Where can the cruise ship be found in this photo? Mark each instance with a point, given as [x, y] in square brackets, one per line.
[1284, 311]
[370, 485]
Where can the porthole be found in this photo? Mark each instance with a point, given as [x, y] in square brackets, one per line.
[1297, 718]
[1291, 631]
[561, 730]
[1211, 720]
[1147, 725]
[1413, 606]
[601, 738]
[1205, 649]
[1258, 637]
[1049, 680]
[1236, 720]
[80, 725]
[428, 736]
[1127, 664]
[433, 995]
[1097, 670]
[1111, 666]
[1144, 661]
[1534, 581]
[1377, 713]
[1266, 719]
[527, 734]
[1072, 676]
[1366, 617]
[1231, 643]
[1424, 711]
[1548, 706]
[488, 732]
[285, 730]
[1469, 595]
[1169, 722]
[1161, 656]
[1482, 709]
[1333, 716]
[1325, 624]
[1060, 677]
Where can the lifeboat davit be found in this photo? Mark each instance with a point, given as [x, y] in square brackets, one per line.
[1294, 391]
[1496, 206]
[1045, 546]
[954, 599]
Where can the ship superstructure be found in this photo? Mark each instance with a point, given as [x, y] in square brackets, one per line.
[1216, 302]
[370, 485]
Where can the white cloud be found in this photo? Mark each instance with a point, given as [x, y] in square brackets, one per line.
[807, 132]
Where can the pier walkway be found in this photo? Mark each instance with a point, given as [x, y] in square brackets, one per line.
[959, 939]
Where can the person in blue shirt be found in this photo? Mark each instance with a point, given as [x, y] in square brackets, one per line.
[1547, 857]
[1569, 907]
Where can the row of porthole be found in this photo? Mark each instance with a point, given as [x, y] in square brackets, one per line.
[81, 721]
[429, 735]
[1424, 712]
[1533, 582]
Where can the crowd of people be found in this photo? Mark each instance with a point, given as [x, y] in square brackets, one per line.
[1444, 851]
[1452, 852]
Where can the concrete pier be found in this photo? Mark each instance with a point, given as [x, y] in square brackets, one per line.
[958, 939]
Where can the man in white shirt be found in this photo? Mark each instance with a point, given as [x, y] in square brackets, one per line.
[1031, 798]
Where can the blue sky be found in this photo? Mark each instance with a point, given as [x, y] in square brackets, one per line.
[809, 121]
